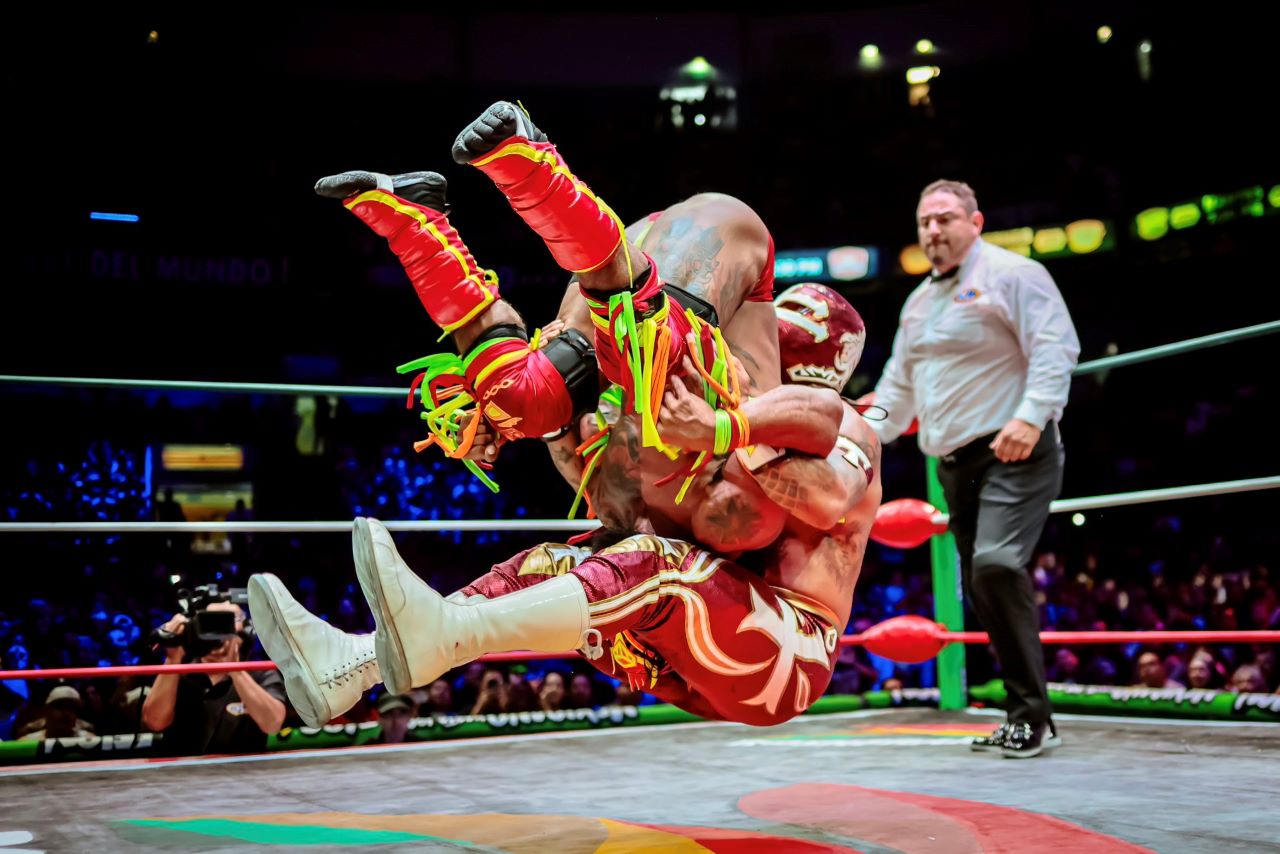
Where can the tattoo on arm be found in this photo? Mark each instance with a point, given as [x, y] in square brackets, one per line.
[615, 487]
[567, 463]
[793, 481]
[730, 519]
[749, 385]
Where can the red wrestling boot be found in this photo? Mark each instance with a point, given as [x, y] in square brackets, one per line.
[640, 329]
[410, 212]
[581, 231]
[523, 388]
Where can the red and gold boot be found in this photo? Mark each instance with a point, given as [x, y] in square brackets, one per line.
[581, 231]
[410, 212]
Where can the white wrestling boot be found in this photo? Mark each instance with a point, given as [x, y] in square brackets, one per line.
[325, 669]
[421, 636]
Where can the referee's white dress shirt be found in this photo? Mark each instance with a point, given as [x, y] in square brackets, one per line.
[992, 342]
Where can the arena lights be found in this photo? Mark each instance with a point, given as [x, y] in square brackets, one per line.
[1104, 34]
[1082, 237]
[113, 217]
[913, 261]
[202, 457]
[840, 264]
[799, 265]
[153, 37]
[1077, 519]
[925, 47]
[870, 58]
[698, 67]
[698, 94]
[1156, 222]
[1144, 60]
[922, 74]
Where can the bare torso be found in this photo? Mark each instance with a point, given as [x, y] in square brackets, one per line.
[824, 565]
[716, 248]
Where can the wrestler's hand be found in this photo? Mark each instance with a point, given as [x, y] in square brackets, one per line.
[550, 331]
[686, 420]
[485, 448]
[1015, 441]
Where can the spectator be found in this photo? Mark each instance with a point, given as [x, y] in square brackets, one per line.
[61, 716]
[551, 693]
[395, 713]
[1202, 672]
[520, 694]
[582, 694]
[492, 697]
[1151, 673]
[170, 510]
[1248, 679]
[240, 543]
[1066, 667]
[439, 699]
[467, 688]
[214, 713]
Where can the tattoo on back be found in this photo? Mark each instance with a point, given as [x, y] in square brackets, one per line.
[688, 256]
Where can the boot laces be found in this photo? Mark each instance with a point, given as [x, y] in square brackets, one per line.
[349, 670]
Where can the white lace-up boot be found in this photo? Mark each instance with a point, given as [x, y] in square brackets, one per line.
[421, 636]
[325, 670]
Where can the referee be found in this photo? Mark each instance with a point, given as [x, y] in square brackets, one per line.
[983, 358]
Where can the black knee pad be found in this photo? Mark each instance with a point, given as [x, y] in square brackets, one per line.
[575, 358]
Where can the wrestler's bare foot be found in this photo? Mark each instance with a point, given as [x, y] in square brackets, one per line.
[495, 125]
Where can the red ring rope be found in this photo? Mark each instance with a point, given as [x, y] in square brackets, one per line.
[900, 638]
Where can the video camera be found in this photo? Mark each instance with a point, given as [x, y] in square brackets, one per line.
[207, 630]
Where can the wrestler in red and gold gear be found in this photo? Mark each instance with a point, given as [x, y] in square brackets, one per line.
[641, 329]
[820, 336]
[688, 627]
[519, 385]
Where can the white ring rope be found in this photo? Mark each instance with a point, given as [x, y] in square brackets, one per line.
[1097, 365]
[1069, 505]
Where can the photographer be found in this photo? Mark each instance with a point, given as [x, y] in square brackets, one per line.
[212, 712]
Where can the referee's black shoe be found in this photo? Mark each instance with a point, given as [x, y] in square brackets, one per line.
[1026, 740]
[995, 741]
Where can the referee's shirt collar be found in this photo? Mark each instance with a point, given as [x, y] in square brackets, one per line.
[958, 272]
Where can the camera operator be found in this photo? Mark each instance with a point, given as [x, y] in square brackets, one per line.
[212, 712]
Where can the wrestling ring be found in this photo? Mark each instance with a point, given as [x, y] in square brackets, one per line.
[1140, 770]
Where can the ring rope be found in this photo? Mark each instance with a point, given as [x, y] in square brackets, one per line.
[1092, 367]
[1068, 505]
[938, 633]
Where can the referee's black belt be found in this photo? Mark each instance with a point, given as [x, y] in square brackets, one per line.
[969, 451]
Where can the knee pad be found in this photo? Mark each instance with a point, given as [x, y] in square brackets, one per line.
[528, 393]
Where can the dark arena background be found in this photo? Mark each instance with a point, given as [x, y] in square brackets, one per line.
[198, 383]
